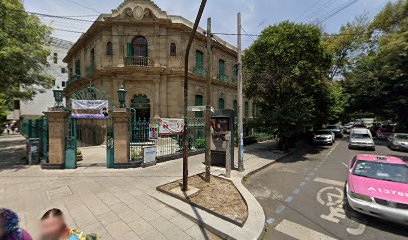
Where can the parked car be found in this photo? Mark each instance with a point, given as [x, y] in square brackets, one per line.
[361, 138]
[398, 141]
[378, 186]
[384, 131]
[324, 136]
[336, 129]
[348, 127]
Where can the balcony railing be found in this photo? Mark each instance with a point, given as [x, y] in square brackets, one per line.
[74, 78]
[200, 71]
[138, 61]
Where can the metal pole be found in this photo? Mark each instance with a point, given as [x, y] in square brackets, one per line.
[240, 115]
[185, 128]
[228, 155]
[208, 107]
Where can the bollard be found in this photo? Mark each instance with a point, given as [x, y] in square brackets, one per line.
[228, 155]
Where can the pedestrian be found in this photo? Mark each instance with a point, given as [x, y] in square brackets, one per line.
[8, 129]
[9, 226]
[53, 227]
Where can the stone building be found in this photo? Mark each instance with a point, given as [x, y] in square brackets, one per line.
[140, 47]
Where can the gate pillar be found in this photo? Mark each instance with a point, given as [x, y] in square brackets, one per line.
[56, 139]
[121, 119]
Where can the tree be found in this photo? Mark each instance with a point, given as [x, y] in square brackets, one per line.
[378, 81]
[22, 54]
[286, 68]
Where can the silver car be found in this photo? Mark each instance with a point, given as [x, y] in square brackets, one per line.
[398, 141]
[324, 136]
[361, 138]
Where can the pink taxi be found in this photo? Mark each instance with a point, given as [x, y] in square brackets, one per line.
[378, 186]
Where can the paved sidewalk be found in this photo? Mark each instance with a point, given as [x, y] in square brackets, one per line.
[114, 203]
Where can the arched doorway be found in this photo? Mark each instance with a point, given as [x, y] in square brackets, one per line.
[141, 104]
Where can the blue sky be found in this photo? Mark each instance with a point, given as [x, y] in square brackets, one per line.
[256, 14]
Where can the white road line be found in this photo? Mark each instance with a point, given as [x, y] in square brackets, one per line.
[345, 165]
[300, 232]
[329, 182]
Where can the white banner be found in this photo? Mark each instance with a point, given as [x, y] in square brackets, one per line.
[171, 126]
[91, 109]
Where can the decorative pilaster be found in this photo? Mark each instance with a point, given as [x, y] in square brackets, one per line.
[156, 98]
[56, 139]
[121, 118]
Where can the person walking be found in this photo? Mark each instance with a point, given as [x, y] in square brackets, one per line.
[9, 226]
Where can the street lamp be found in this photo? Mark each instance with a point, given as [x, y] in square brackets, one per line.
[122, 97]
[58, 97]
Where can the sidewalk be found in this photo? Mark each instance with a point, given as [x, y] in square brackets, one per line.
[115, 203]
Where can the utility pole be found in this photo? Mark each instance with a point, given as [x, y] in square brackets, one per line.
[240, 115]
[185, 128]
[208, 107]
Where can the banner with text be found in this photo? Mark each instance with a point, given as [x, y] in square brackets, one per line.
[171, 126]
[90, 109]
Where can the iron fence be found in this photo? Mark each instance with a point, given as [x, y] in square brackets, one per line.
[37, 128]
[144, 133]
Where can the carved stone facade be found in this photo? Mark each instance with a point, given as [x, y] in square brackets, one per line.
[142, 48]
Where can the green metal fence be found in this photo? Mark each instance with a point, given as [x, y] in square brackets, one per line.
[145, 133]
[37, 128]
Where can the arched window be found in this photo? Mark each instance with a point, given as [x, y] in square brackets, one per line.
[173, 49]
[139, 45]
[221, 103]
[109, 49]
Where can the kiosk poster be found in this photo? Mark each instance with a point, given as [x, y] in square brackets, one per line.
[90, 109]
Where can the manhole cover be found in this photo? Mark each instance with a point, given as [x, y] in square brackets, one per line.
[58, 192]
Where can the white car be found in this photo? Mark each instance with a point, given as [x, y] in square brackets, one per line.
[361, 138]
[324, 136]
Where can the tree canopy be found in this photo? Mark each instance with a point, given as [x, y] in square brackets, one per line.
[22, 54]
[287, 68]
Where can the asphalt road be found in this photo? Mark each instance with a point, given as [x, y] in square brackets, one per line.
[303, 197]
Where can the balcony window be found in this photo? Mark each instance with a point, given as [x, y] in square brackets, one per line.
[78, 67]
[55, 58]
[198, 102]
[221, 69]
[221, 104]
[109, 49]
[173, 49]
[137, 52]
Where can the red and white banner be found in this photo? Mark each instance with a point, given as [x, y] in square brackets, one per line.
[171, 126]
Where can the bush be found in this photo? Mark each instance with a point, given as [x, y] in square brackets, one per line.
[257, 137]
[200, 143]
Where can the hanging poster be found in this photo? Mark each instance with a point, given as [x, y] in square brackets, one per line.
[90, 109]
[171, 126]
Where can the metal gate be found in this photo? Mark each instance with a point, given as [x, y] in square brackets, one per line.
[71, 144]
[110, 144]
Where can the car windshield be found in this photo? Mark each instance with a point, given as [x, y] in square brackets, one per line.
[382, 171]
[333, 127]
[401, 137]
[323, 132]
[360, 135]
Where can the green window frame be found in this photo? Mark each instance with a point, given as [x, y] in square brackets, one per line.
[78, 67]
[235, 107]
[199, 59]
[221, 69]
[129, 52]
[221, 103]
[246, 109]
[198, 102]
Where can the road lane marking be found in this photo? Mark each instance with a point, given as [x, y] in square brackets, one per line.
[289, 199]
[359, 230]
[345, 165]
[280, 209]
[270, 221]
[300, 232]
[329, 182]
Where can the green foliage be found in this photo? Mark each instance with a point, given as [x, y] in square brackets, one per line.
[337, 102]
[378, 81]
[200, 143]
[22, 54]
[286, 68]
[257, 137]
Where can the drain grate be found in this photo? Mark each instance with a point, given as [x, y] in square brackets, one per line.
[60, 192]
